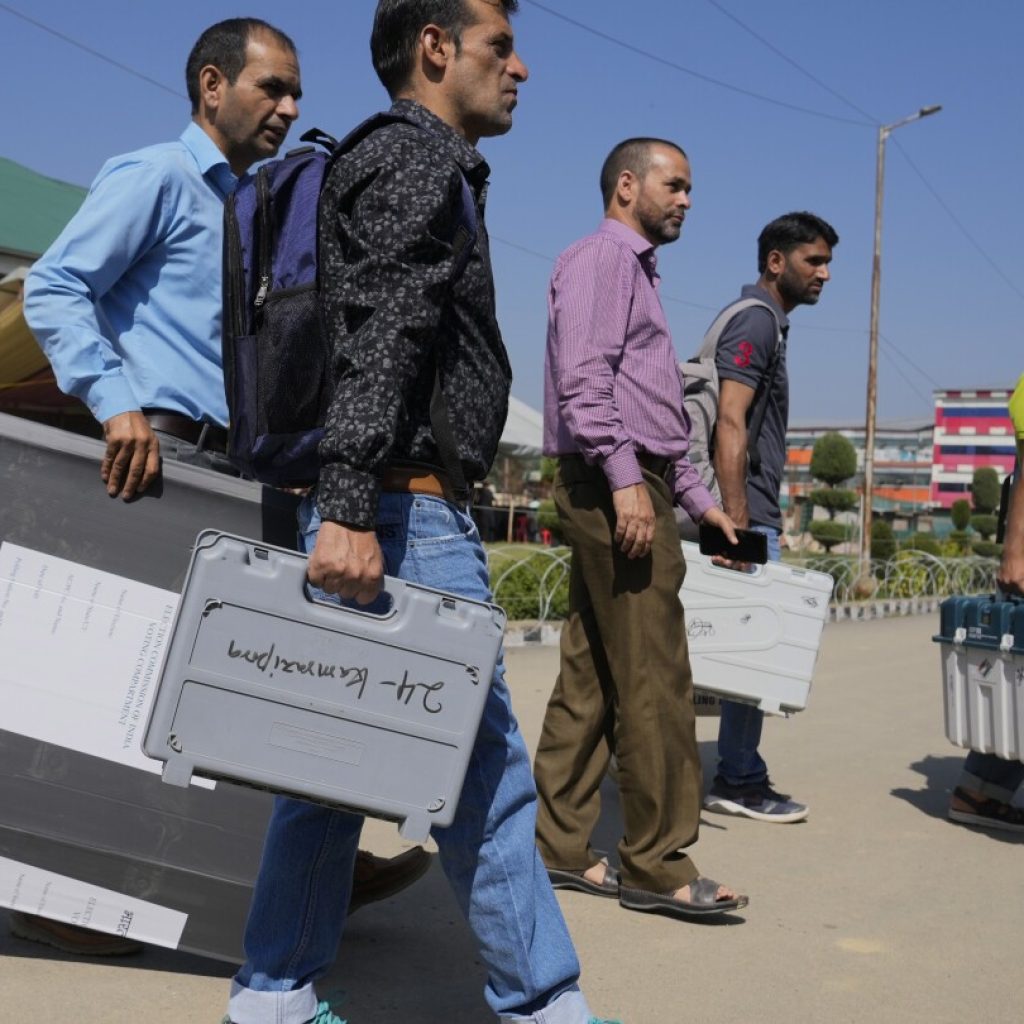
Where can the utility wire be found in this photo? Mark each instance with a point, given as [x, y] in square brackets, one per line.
[906, 156]
[910, 362]
[622, 44]
[789, 60]
[927, 400]
[94, 53]
[953, 217]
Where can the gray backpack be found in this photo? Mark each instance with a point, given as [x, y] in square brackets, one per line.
[700, 400]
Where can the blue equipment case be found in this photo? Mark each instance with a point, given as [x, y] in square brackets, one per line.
[982, 641]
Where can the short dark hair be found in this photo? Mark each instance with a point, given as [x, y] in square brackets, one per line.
[785, 233]
[630, 155]
[225, 45]
[397, 25]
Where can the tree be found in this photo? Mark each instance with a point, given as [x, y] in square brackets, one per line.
[833, 460]
[985, 490]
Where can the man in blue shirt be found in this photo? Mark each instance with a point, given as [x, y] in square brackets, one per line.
[126, 304]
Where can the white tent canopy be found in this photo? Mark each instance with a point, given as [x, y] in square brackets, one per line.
[524, 431]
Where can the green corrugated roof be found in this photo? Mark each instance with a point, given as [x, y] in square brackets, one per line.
[33, 208]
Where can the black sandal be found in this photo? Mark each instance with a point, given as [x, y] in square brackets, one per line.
[564, 879]
[987, 812]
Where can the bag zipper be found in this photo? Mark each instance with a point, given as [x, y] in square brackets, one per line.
[263, 266]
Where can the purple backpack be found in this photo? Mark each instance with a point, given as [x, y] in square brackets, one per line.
[277, 357]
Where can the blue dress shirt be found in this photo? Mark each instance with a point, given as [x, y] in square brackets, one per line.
[126, 303]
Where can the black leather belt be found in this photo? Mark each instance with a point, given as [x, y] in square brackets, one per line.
[205, 436]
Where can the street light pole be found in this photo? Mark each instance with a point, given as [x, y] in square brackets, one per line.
[884, 131]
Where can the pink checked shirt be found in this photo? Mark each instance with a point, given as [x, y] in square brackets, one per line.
[611, 387]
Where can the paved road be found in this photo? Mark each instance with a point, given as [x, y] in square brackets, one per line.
[875, 910]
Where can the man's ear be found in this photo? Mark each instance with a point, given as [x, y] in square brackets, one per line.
[436, 46]
[626, 186]
[776, 263]
[211, 86]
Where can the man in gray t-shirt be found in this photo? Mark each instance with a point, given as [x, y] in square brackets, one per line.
[793, 255]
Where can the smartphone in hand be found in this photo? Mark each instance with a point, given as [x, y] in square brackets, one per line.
[752, 546]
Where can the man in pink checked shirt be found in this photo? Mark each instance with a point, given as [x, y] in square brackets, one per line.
[613, 418]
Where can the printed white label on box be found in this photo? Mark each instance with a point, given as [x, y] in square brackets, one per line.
[82, 653]
[34, 891]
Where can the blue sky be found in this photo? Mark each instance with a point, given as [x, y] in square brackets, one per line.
[948, 316]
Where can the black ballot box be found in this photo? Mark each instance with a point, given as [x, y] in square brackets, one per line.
[91, 825]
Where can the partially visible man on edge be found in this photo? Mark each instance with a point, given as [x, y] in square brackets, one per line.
[400, 316]
[793, 256]
[126, 304]
[613, 417]
[984, 793]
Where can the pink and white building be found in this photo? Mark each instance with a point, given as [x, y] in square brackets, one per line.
[972, 429]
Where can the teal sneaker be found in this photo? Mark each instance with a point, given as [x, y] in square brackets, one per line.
[323, 1015]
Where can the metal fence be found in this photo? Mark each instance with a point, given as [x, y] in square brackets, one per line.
[533, 582]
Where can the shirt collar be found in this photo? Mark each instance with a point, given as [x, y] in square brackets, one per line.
[457, 146]
[754, 291]
[644, 248]
[640, 245]
[209, 159]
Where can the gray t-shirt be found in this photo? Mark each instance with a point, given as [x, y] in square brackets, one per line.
[744, 355]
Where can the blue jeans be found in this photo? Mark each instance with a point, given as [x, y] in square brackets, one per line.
[739, 731]
[488, 852]
[992, 776]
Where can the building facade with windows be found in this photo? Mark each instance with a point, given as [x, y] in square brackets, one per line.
[903, 466]
[972, 429]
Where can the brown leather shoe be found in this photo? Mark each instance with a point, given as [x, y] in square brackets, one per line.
[69, 938]
[377, 878]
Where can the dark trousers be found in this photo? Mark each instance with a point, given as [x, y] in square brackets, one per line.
[624, 688]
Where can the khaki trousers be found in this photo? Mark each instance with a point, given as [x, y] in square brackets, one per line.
[624, 688]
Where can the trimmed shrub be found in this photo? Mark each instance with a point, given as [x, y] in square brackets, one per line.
[883, 540]
[985, 490]
[829, 533]
[833, 500]
[833, 459]
[960, 513]
[961, 540]
[987, 549]
[921, 542]
[984, 524]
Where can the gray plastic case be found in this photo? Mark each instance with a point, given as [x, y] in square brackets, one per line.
[266, 686]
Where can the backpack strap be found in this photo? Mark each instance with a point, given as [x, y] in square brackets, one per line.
[463, 242]
[709, 349]
[1004, 502]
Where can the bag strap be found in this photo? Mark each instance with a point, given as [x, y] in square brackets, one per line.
[709, 349]
[1004, 502]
